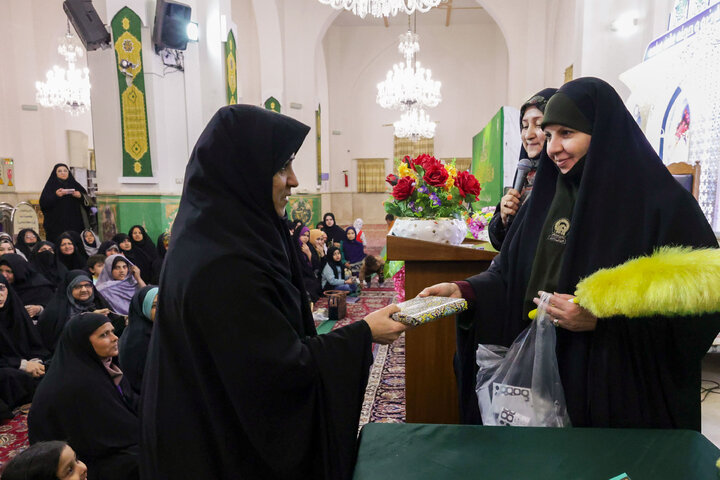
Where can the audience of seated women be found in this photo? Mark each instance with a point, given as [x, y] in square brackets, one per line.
[45, 261]
[118, 282]
[75, 294]
[34, 289]
[22, 354]
[49, 460]
[86, 400]
[136, 337]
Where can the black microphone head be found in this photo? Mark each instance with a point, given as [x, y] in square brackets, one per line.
[525, 165]
[523, 168]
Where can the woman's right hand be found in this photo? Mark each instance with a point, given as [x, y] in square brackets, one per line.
[35, 369]
[102, 311]
[446, 289]
[384, 329]
[60, 192]
[509, 205]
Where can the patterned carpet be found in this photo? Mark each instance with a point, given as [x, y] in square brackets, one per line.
[13, 435]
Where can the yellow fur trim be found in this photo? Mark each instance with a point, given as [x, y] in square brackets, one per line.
[672, 281]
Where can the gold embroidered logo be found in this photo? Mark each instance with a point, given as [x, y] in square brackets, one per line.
[560, 231]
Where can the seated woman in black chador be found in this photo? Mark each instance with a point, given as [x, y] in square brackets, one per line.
[108, 247]
[143, 246]
[163, 241]
[75, 294]
[601, 196]
[52, 460]
[309, 262]
[34, 289]
[136, 336]
[45, 261]
[70, 252]
[22, 355]
[289, 408]
[85, 400]
[335, 233]
[26, 240]
[62, 204]
[533, 143]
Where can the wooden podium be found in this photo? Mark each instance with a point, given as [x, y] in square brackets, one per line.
[430, 385]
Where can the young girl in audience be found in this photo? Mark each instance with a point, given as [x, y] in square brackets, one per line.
[137, 256]
[86, 400]
[109, 247]
[317, 243]
[136, 337]
[34, 289]
[333, 273]
[118, 282]
[22, 355]
[360, 236]
[46, 461]
[43, 258]
[309, 262]
[26, 240]
[76, 294]
[353, 251]
[69, 252]
[90, 242]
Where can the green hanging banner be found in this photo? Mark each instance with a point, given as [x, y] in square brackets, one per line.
[272, 104]
[133, 113]
[231, 68]
[317, 140]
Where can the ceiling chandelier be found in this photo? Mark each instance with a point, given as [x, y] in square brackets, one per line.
[410, 88]
[66, 89]
[414, 124]
[382, 8]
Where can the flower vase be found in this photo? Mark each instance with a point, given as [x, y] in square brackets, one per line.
[440, 230]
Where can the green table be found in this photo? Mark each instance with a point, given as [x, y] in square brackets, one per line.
[445, 452]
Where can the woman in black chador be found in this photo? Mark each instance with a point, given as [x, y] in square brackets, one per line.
[136, 336]
[335, 233]
[601, 197]
[238, 384]
[62, 203]
[85, 400]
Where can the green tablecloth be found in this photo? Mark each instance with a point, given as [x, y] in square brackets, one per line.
[445, 452]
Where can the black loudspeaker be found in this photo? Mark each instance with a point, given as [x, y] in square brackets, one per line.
[87, 24]
[171, 21]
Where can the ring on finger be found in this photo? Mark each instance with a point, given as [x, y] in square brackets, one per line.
[556, 322]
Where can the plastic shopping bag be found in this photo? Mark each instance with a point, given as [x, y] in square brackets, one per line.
[520, 386]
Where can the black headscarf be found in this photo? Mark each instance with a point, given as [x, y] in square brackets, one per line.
[19, 338]
[337, 267]
[78, 401]
[160, 258]
[146, 244]
[32, 287]
[335, 233]
[280, 400]
[629, 372]
[137, 256]
[57, 313]
[104, 246]
[496, 229]
[20, 244]
[135, 340]
[75, 260]
[47, 263]
[61, 213]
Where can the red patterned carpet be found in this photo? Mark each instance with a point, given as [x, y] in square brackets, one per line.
[13, 435]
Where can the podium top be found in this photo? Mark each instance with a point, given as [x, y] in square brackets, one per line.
[399, 248]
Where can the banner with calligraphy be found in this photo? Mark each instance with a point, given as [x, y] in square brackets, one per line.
[231, 69]
[126, 27]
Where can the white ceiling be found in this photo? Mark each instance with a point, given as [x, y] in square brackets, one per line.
[463, 12]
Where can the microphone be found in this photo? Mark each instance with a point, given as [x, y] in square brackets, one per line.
[523, 168]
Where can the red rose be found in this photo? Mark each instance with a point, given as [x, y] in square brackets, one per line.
[404, 188]
[391, 179]
[467, 184]
[423, 159]
[435, 174]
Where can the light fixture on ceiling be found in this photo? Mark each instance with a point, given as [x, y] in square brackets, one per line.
[66, 89]
[414, 124]
[382, 8]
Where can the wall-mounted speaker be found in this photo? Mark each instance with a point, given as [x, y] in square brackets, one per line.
[171, 21]
[87, 24]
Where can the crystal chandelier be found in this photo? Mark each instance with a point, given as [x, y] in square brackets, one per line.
[382, 8]
[414, 124]
[66, 89]
[408, 83]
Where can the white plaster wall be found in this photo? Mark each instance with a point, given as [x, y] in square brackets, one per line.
[248, 52]
[35, 139]
[471, 61]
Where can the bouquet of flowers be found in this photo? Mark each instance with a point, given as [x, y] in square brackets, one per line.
[478, 222]
[428, 188]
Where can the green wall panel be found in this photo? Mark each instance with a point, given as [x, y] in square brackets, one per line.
[307, 208]
[120, 212]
